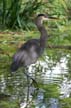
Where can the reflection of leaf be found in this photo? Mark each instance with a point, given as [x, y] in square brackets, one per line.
[51, 90]
[65, 102]
[8, 104]
[4, 96]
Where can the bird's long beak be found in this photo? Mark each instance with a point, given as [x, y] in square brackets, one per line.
[52, 18]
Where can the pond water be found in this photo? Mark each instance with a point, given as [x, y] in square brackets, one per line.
[52, 88]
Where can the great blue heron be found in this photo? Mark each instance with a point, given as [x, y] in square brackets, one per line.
[32, 49]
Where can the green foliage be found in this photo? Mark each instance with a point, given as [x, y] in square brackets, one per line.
[14, 12]
[7, 104]
[19, 14]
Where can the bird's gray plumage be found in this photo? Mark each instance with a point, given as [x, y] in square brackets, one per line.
[32, 49]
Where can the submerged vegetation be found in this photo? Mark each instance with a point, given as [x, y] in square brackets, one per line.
[16, 27]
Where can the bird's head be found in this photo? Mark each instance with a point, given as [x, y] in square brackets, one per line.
[43, 17]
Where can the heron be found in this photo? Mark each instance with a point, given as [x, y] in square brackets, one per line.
[31, 50]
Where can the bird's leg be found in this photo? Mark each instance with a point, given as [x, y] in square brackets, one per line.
[29, 77]
[28, 82]
[28, 86]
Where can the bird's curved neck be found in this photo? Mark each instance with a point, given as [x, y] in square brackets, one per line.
[43, 36]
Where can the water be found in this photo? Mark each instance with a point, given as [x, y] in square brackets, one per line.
[52, 73]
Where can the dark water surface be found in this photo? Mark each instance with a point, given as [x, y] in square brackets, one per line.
[52, 73]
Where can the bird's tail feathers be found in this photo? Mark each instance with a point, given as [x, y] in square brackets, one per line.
[14, 66]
